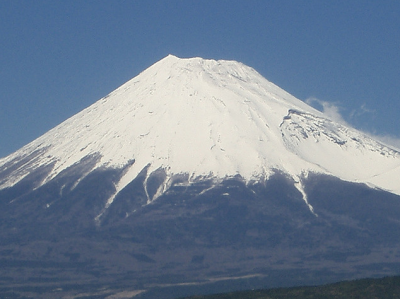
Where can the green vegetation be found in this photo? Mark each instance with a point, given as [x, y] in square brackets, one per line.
[383, 288]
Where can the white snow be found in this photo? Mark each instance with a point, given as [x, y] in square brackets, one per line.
[209, 118]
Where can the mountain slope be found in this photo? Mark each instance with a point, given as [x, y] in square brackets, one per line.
[383, 288]
[203, 118]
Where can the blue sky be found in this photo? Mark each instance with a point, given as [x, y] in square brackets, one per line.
[58, 57]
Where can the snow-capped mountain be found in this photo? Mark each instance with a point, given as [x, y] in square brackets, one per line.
[205, 118]
[196, 173]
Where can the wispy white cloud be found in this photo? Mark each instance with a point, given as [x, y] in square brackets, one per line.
[331, 110]
[361, 111]
[334, 112]
[388, 140]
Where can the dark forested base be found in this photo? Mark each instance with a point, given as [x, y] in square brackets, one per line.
[193, 239]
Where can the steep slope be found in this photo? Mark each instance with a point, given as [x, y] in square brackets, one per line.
[204, 119]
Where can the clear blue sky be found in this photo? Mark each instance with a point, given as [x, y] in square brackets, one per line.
[58, 57]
